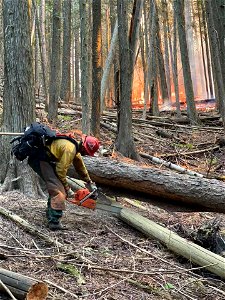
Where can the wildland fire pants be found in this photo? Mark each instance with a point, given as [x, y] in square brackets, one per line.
[57, 194]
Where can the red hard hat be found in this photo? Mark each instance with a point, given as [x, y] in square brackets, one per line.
[91, 144]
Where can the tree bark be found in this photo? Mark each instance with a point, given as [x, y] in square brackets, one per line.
[77, 55]
[23, 287]
[45, 64]
[207, 52]
[173, 51]
[127, 48]
[1, 39]
[96, 67]
[216, 61]
[160, 59]
[208, 193]
[189, 21]
[153, 62]
[166, 38]
[19, 97]
[145, 72]
[109, 63]
[84, 66]
[65, 93]
[191, 109]
[54, 85]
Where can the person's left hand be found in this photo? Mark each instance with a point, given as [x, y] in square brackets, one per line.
[70, 193]
[92, 188]
[94, 196]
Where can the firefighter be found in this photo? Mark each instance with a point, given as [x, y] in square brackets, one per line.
[52, 165]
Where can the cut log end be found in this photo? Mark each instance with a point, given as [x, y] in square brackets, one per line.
[38, 291]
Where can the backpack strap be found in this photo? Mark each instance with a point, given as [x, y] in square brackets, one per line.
[68, 138]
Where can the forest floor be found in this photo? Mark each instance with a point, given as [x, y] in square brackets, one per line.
[109, 259]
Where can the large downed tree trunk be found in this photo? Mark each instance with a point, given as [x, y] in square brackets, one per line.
[209, 193]
[194, 253]
[23, 287]
[191, 251]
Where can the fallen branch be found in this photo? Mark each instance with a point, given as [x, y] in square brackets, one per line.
[146, 288]
[170, 165]
[61, 289]
[191, 152]
[154, 272]
[31, 229]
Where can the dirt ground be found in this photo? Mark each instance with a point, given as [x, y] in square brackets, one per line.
[99, 256]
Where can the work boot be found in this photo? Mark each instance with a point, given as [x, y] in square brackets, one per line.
[56, 226]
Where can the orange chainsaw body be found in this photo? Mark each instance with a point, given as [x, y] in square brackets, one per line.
[80, 195]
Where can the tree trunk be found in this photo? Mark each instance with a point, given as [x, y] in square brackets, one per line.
[96, 67]
[166, 45]
[194, 253]
[113, 18]
[202, 48]
[145, 72]
[191, 109]
[77, 56]
[65, 93]
[54, 85]
[191, 45]
[218, 18]
[160, 59]
[109, 63]
[208, 193]
[153, 63]
[125, 141]
[43, 51]
[208, 60]
[215, 56]
[174, 67]
[84, 67]
[36, 64]
[1, 39]
[19, 97]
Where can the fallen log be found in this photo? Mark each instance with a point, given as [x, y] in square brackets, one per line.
[28, 227]
[209, 193]
[194, 253]
[23, 287]
[191, 251]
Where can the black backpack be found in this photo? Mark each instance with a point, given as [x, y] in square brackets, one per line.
[36, 137]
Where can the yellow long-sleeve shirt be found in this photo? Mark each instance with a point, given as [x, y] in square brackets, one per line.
[65, 155]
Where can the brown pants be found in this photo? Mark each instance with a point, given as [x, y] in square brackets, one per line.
[57, 194]
[54, 186]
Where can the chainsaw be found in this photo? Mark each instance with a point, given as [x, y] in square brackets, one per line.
[82, 197]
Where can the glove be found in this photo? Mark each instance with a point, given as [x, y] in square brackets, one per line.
[70, 193]
[92, 187]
